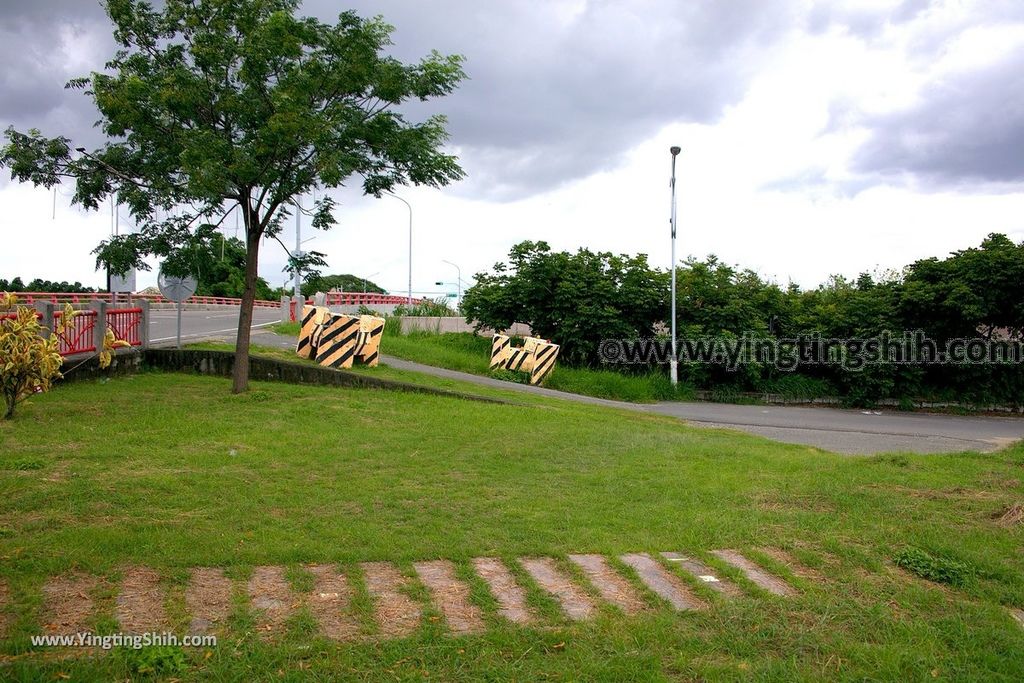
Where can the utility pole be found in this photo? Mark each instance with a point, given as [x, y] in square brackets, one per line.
[298, 246]
[673, 362]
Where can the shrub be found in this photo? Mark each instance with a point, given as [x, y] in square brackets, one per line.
[29, 363]
[934, 568]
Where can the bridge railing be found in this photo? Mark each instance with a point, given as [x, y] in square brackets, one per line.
[85, 332]
[31, 298]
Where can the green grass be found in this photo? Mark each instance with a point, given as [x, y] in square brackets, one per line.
[172, 471]
[470, 353]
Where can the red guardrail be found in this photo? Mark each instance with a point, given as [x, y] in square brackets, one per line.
[80, 336]
[126, 324]
[30, 298]
[332, 299]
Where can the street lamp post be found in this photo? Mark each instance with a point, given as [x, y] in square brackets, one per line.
[673, 362]
[367, 278]
[458, 279]
[409, 206]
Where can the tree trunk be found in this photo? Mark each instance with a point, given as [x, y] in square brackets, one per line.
[240, 373]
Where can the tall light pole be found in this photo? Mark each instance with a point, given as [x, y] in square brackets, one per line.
[673, 362]
[409, 206]
[458, 279]
[298, 246]
[367, 278]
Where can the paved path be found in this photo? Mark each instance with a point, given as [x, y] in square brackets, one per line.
[854, 432]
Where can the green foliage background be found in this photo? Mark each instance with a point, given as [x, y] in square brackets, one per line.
[578, 299]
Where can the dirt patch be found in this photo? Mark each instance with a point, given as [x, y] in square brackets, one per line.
[69, 604]
[612, 586]
[756, 574]
[5, 601]
[397, 614]
[140, 604]
[575, 603]
[793, 565]
[510, 596]
[208, 599]
[955, 493]
[1011, 515]
[450, 595]
[665, 585]
[329, 600]
[272, 596]
[1017, 614]
[704, 574]
[811, 503]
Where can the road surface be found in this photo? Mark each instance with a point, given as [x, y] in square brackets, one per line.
[201, 324]
[853, 432]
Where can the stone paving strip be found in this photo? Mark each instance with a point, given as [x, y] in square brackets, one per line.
[69, 607]
[140, 604]
[510, 596]
[69, 604]
[208, 599]
[575, 603]
[704, 574]
[450, 595]
[329, 602]
[612, 586]
[272, 596]
[756, 574]
[397, 614]
[664, 584]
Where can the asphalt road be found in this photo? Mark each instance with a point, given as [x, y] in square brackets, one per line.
[854, 432]
[202, 324]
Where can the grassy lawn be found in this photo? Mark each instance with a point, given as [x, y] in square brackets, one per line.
[471, 353]
[172, 472]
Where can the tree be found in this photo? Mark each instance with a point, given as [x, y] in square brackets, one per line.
[344, 283]
[211, 106]
[219, 268]
[577, 300]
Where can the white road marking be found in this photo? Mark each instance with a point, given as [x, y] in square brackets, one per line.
[209, 332]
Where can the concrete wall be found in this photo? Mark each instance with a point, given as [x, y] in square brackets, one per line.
[453, 324]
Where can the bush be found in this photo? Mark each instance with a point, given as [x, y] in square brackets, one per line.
[934, 568]
[29, 362]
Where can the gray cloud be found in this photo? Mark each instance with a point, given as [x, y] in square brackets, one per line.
[549, 101]
[966, 130]
[554, 96]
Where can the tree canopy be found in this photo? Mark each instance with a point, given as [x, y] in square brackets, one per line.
[213, 106]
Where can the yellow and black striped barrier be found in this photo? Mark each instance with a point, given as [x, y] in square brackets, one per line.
[312, 318]
[536, 356]
[340, 339]
[371, 329]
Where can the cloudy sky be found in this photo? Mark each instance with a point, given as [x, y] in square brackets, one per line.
[818, 137]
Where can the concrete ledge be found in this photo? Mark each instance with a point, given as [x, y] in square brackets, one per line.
[87, 366]
[222, 363]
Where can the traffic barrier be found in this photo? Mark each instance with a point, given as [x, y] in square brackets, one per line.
[312, 318]
[536, 356]
[338, 340]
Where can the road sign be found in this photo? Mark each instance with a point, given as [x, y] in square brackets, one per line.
[176, 289]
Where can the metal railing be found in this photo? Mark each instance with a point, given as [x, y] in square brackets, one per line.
[80, 335]
[84, 334]
[30, 298]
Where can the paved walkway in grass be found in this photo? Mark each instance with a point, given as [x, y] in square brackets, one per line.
[577, 586]
[853, 432]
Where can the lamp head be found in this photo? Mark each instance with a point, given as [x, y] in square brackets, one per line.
[675, 149]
